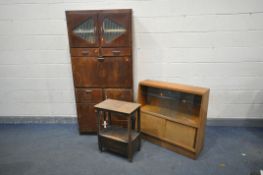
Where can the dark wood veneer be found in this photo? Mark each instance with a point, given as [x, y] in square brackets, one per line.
[101, 69]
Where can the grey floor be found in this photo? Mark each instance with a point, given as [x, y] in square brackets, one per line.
[47, 149]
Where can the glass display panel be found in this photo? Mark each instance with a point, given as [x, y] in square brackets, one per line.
[86, 31]
[167, 101]
[112, 30]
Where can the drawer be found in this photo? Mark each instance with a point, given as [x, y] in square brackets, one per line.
[116, 51]
[180, 134]
[88, 95]
[79, 52]
[152, 125]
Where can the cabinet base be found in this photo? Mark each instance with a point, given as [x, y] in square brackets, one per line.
[118, 147]
[169, 146]
[85, 130]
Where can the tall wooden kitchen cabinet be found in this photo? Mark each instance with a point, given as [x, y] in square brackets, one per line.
[101, 56]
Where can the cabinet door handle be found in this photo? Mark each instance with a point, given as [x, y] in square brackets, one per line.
[116, 51]
[88, 90]
[85, 52]
[100, 58]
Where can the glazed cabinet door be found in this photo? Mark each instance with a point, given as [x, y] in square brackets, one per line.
[115, 28]
[102, 71]
[82, 28]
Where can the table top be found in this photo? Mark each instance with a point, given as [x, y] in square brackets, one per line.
[118, 106]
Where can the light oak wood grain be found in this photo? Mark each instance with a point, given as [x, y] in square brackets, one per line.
[174, 115]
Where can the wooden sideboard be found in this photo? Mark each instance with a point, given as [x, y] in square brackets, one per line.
[174, 115]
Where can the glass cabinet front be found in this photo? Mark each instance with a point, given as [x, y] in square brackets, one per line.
[173, 103]
[111, 30]
[86, 31]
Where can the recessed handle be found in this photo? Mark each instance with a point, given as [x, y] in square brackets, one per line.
[116, 51]
[100, 58]
[85, 52]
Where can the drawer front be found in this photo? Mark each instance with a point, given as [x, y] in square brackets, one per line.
[181, 134]
[116, 51]
[88, 95]
[84, 52]
[152, 125]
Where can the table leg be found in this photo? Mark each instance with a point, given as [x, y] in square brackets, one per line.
[133, 120]
[139, 126]
[98, 132]
[109, 118]
[129, 140]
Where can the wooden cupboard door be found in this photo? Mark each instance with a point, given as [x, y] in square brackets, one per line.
[88, 72]
[119, 94]
[119, 72]
[86, 117]
[105, 72]
[88, 95]
[115, 28]
[82, 28]
[152, 125]
[180, 134]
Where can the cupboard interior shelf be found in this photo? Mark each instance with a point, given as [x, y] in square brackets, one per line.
[171, 114]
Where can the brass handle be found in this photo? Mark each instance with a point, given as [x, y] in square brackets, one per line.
[116, 51]
[88, 91]
[100, 58]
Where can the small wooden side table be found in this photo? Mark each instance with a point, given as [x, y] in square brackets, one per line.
[124, 141]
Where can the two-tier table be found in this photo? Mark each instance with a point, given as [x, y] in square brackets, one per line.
[125, 141]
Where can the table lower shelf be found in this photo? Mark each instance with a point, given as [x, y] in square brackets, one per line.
[118, 134]
[115, 139]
